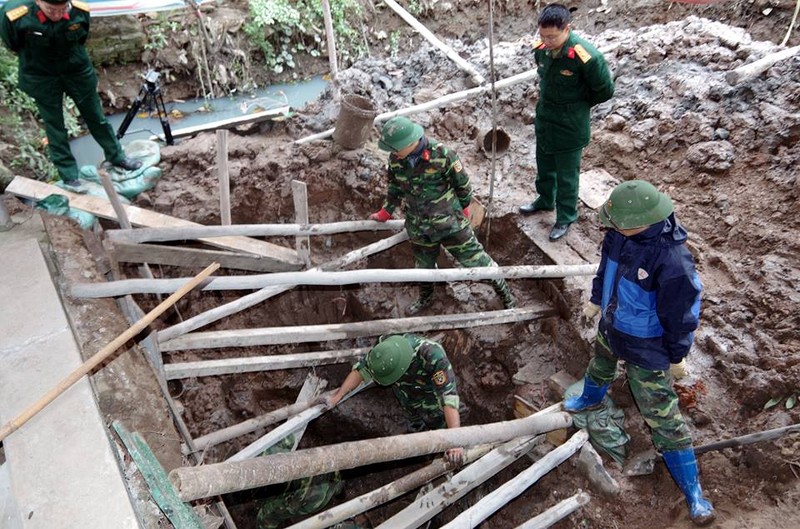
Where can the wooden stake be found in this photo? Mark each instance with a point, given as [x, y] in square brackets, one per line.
[224, 178]
[331, 40]
[104, 353]
[557, 512]
[756, 68]
[302, 242]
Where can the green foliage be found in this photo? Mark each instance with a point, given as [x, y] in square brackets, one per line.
[282, 29]
[394, 43]
[790, 403]
[158, 33]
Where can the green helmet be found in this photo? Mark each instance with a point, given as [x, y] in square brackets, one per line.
[635, 204]
[398, 133]
[389, 359]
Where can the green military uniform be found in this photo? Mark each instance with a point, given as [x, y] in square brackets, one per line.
[52, 62]
[435, 189]
[426, 387]
[572, 80]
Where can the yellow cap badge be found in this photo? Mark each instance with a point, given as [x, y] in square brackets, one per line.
[440, 378]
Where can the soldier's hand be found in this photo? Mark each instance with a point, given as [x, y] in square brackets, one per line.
[381, 216]
[590, 311]
[454, 456]
[678, 371]
[327, 400]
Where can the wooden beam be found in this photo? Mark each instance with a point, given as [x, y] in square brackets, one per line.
[221, 478]
[500, 496]
[224, 178]
[331, 41]
[756, 68]
[229, 366]
[227, 123]
[194, 257]
[318, 277]
[35, 190]
[339, 331]
[302, 242]
[557, 512]
[248, 301]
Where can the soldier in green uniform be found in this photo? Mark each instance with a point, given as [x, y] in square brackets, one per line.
[421, 377]
[49, 37]
[573, 77]
[430, 181]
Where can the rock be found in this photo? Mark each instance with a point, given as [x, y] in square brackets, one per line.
[615, 123]
[711, 156]
[591, 465]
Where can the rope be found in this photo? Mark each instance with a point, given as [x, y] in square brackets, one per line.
[494, 123]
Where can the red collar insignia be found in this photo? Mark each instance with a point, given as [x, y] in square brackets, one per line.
[426, 155]
[571, 53]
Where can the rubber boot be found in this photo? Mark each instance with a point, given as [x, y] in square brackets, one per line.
[592, 396]
[682, 464]
[424, 300]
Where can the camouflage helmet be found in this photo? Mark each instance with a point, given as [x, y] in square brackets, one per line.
[389, 359]
[398, 133]
[635, 204]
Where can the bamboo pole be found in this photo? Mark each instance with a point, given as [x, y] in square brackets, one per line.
[338, 331]
[350, 277]
[749, 71]
[220, 478]
[224, 178]
[331, 40]
[248, 301]
[430, 37]
[436, 103]
[499, 497]
[557, 512]
[229, 366]
[104, 353]
[141, 235]
[388, 492]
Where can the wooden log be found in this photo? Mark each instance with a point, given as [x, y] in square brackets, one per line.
[318, 277]
[228, 366]
[248, 301]
[220, 478]
[756, 68]
[35, 190]
[557, 512]
[312, 387]
[224, 178]
[424, 508]
[436, 103]
[430, 37]
[499, 497]
[388, 492]
[103, 354]
[340, 331]
[226, 123]
[140, 235]
[330, 37]
[300, 198]
[193, 257]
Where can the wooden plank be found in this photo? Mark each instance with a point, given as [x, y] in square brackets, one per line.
[341, 331]
[302, 242]
[596, 186]
[224, 178]
[194, 257]
[226, 123]
[35, 190]
[228, 366]
[180, 514]
[557, 512]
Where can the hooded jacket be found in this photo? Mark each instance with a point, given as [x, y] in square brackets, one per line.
[649, 293]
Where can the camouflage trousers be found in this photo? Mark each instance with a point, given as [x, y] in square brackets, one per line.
[422, 414]
[301, 497]
[466, 249]
[653, 393]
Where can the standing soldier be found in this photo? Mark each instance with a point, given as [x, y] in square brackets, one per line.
[49, 37]
[430, 181]
[421, 377]
[573, 77]
[647, 294]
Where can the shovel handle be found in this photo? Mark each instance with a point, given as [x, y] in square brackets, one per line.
[766, 435]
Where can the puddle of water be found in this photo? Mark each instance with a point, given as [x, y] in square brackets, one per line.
[198, 112]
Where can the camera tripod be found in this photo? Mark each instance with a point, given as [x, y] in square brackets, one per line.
[150, 96]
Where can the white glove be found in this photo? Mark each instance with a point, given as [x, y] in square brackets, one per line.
[678, 370]
[590, 311]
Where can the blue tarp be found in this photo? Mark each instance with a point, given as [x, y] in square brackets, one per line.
[107, 8]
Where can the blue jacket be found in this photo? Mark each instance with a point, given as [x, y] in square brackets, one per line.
[649, 292]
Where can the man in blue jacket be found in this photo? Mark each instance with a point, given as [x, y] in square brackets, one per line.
[647, 293]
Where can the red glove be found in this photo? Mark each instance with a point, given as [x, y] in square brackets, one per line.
[466, 211]
[381, 216]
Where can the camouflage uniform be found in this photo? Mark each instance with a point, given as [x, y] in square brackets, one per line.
[426, 387]
[435, 189]
[300, 497]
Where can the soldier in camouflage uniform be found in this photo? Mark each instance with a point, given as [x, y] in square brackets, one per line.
[647, 294]
[421, 377]
[573, 77]
[49, 37]
[300, 497]
[430, 181]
